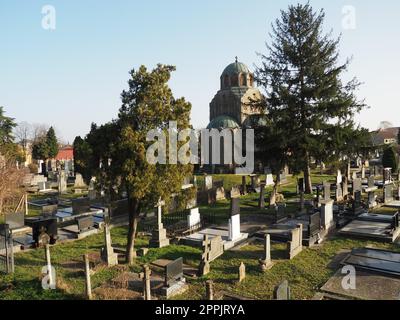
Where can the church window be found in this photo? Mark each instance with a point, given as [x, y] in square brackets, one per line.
[234, 81]
[226, 81]
[243, 80]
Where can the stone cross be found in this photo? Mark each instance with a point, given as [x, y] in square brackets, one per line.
[242, 272]
[205, 259]
[209, 290]
[88, 284]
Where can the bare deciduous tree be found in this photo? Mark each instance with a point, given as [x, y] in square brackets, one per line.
[10, 182]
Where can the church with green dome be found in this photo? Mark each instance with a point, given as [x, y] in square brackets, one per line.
[230, 108]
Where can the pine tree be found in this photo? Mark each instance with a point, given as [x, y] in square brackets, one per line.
[7, 125]
[306, 98]
[390, 159]
[52, 143]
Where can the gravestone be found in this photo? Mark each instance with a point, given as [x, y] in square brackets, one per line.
[92, 194]
[173, 272]
[371, 182]
[261, 200]
[62, 182]
[357, 185]
[327, 191]
[339, 192]
[204, 267]
[219, 193]
[81, 205]
[357, 204]
[295, 245]
[363, 172]
[282, 177]
[79, 183]
[242, 272]
[234, 221]
[372, 199]
[282, 291]
[45, 225]
[15, 220]
[212, 249]
[387, 175]
[85, 223]
[159, 236]
[266, 261]
[194, 219]
[314, 226]
[269, 180]
[107, 253]
[44, 186]
[327, 221]
[235, 192]
[208, 182]
[49, 210]
[388, 193]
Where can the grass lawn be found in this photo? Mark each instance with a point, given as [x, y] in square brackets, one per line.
[306, 273]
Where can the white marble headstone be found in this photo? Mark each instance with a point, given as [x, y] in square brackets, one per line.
[234, 227]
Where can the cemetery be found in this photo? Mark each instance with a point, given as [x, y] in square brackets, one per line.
[246, 250]
[278, 190]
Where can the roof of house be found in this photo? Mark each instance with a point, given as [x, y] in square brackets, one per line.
[65, 153]
[379, 136]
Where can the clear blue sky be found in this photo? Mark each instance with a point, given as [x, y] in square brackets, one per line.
[74, 75]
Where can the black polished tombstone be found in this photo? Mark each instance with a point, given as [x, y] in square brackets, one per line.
[49, 210]
[173, 272]
[81, 205]
[47, 225]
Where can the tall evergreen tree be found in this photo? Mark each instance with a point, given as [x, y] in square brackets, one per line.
[116, 151]
[52, 143]
[390, 159]
[306, 98]
[7, 125]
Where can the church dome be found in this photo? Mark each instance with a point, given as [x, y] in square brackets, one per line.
[223, 122]
[235, 75]
[235, 68]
